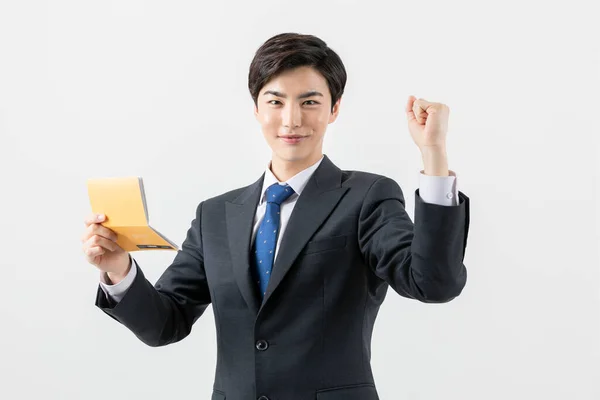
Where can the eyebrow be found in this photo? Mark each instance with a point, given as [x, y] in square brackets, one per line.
[302, 96]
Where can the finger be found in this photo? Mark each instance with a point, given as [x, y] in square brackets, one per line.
[97, 229]
[97, 240]
[104, 232]
[431, 107]
[94, 218]
[106, 243]
[424, 104]
[95, 251]
[420, 111]
[420, 106]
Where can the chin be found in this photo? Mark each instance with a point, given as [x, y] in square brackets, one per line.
[289, 156]
[292, 154]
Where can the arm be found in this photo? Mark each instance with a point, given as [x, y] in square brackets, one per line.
[116, 291]
[164, 313]
[422, 261]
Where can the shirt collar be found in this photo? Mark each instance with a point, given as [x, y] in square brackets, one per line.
[297, 182]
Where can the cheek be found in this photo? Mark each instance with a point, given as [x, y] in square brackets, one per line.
[323, 116]
[269, 121]
[322, 120]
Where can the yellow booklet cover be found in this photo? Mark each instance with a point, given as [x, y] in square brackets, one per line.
[123, 201]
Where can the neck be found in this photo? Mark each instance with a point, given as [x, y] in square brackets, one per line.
[284, 169]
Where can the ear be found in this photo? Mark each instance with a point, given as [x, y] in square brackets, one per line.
[255, 112]
[335, 111]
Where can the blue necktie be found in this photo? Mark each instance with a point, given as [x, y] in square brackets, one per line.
[266, 236]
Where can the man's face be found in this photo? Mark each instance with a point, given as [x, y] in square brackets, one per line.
[296, 103]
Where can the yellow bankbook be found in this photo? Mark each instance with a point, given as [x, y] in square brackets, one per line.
[123, 202]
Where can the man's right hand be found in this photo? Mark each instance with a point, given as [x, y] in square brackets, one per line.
[102, 251]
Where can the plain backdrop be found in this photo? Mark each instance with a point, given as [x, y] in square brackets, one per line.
[159, 89]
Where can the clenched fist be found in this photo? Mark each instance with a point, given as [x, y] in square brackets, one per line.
[427, 123]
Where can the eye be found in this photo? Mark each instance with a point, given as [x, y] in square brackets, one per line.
[271, 102]
[313, 102]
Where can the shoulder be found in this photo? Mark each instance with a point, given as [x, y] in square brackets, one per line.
[366, 180]
[227, 197]
[370, 189]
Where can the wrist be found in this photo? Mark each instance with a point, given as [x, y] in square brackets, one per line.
[435, 161]
[115, 277]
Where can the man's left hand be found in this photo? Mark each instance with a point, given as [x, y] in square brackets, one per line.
[427, 122]
[428, 125]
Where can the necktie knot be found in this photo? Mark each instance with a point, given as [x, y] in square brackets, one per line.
[277, 193]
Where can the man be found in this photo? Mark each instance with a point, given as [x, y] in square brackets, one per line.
[297, 264]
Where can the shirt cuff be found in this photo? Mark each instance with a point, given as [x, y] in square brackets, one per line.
[440, 190]
[118, 290]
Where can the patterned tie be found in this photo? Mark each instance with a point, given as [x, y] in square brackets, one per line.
[266, 237]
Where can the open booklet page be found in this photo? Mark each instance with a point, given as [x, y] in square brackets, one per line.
[123, 201]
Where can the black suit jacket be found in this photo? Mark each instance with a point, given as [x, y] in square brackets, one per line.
[348, 238]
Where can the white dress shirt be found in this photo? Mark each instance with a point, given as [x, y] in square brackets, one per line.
[440, 190]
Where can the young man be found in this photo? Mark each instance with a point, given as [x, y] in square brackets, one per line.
[297, 264]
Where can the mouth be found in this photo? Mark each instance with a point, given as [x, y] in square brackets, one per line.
[292, 139]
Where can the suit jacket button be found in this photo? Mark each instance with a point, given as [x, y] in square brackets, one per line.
[262, 345]
[263, 398]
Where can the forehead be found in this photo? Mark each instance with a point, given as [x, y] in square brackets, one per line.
[297, 80]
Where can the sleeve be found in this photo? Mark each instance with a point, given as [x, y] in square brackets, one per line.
[440, 190]
[164, 313]
[118, 290]
[422, 261]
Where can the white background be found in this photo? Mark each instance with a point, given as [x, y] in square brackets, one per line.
[159, 89]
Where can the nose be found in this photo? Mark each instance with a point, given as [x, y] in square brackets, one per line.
[292, 116]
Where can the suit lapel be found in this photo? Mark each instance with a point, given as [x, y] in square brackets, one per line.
[322, 193]
[240, 219]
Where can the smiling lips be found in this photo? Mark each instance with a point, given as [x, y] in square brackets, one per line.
[292, 139]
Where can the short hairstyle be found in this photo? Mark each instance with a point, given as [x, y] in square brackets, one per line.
[291, 50]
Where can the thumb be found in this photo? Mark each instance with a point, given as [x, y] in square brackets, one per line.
[409, 109]
[413, 122]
